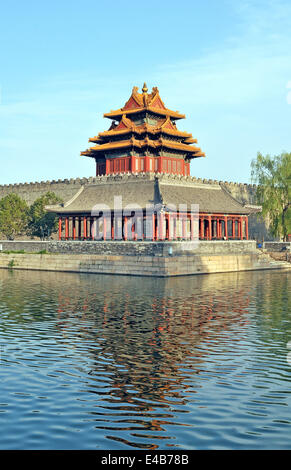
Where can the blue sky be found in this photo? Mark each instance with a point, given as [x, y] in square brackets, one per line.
[226, 65]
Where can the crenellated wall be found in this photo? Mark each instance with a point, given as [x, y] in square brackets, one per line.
[31, 191]
[68, 187]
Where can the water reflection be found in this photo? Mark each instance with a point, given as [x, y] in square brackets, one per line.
[143, 363]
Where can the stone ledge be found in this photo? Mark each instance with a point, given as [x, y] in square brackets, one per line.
[166, 267]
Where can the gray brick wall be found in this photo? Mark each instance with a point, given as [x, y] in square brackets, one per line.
[277, 246]
[152, 249]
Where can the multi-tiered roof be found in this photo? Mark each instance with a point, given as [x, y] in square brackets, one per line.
[143, 137]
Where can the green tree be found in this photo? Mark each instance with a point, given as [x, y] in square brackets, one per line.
[13, 216]
[41, 222]
[273, 176]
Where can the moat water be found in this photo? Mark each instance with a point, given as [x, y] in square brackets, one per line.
[103, 362]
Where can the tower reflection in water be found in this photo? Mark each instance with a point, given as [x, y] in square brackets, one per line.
[152, 338]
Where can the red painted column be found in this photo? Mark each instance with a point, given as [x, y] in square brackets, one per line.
[209, 228]
[107, 167]
[153, 226]
[60, 228]
[146, 164]
[66, 228]
[161, 226]
[74, 228]
[144, 225]
[202, 228]
[85, 227]
[241, 228]
[225, 227]
[133, 163]
[125, 228]
[247, 227]
[169, 227]
[112, 228]
[233, 229]
[79, 227]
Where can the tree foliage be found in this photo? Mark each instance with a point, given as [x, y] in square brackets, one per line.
[273, 177]
[13, 216]
[42, 223]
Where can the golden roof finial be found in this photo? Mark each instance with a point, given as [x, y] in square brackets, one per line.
[144, 88]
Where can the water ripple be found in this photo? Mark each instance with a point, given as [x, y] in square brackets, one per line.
[115, 362]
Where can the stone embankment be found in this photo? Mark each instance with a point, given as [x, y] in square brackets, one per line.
[164, 259]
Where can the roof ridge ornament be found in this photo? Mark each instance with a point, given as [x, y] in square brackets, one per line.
[145, 94]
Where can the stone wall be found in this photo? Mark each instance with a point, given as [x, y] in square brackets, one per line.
[65, 189]
[29, 246]
[277, 246]
[132, 248]
[153, 266]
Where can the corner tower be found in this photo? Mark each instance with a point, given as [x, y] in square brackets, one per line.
[143, 137]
